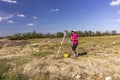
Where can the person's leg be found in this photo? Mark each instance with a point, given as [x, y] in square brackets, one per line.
[74, 52]
[74, 49]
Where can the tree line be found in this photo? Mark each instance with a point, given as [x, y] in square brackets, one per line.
[34, 34]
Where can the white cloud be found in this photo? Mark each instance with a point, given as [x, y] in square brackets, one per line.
[55, 10]
[115, 3]
[118, 12]
[35, 17]
[5, 17]
[10, 21]
[10, 1]
[30, 24]
[21, 15]
[8, 17]
[0, 19]
[118, 20]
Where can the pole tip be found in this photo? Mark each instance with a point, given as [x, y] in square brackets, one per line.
[66, 31]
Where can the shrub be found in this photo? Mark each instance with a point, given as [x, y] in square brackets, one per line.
[41, 54]
[4, 68]
[16, 76]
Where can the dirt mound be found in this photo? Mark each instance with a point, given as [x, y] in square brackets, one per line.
[7, 43]
[78, 70]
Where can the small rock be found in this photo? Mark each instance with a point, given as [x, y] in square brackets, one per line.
[78, 77]
[108, 78]
[114, 43]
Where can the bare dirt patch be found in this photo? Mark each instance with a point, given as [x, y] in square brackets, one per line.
[102, 59]
[8, 43]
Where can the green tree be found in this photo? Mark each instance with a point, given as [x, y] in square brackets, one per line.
[59, 34]
[114, 32]
[98, 33]
[48, 35]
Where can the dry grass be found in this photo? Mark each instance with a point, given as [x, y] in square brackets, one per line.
[39, 63]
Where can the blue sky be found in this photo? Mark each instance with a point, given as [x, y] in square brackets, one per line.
[19, 16]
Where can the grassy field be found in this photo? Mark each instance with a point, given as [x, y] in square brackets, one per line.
[35, 59]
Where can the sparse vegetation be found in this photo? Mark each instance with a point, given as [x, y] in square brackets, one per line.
[16, 76]
[34, 35]
[41, 54]
[4, 68]
[18, 62]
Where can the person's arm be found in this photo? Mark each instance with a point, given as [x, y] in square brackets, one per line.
[72, 39]
[75, 39]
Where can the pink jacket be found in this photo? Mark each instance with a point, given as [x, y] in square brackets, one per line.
[75, 38]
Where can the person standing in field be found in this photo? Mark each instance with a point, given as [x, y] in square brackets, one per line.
[74, 39]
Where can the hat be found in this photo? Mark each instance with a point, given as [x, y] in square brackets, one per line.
[73, 30]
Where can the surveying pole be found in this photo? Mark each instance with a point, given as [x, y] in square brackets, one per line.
[61, 44]
[65, 36]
